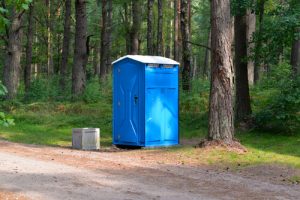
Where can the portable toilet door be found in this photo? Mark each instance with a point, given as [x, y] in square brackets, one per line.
[145, 101]
[127, 105]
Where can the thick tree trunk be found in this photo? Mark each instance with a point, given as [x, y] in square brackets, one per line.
[221, 125]
[80, 51]
[251, 27]
[176, 47]
[160, 28]
[258, 46]
[206, 65]
[242, 97]
[136, 25]
[295, 55]
[30, 31]
[150, 27]
[66, 45]
[186, 46]
[11, 71]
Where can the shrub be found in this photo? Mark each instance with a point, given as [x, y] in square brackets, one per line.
[92, 93]
[283, 110]
[4, 120]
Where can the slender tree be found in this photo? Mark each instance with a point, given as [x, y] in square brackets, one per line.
[150, 28]
[207, 56]
[136, 26]
[251, 27]
[186, 46]
[80, 51]
[176, 47]
[258, 45]
[160, 28]
[242, 97]
[103, 48]
[30, 31]
[66, 45]
[221, 125]
[295, 54]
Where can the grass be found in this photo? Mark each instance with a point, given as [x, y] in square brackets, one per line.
[51, 124]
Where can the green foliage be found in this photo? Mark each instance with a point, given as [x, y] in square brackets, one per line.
[92, 92]
[282, 112]
[4, 120]
[44, 89]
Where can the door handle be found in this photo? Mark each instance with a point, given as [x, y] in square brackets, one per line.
[136, 99]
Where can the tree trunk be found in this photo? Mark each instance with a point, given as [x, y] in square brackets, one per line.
[176, 29]
[11, 71]
[242, 97]
[66, 45]
[251, 27]
[50, 67]
[109, 35]
[160, 29]
[149, 27]
[221, 125]
[30, 31]
[136, 25]
[258, 46]
[295, 55]
[206, 65]
[80, 51]
[186, 46]
[104, 41]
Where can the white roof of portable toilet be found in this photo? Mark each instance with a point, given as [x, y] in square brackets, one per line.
[149, 59]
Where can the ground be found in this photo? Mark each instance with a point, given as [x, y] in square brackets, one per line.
[42, 172]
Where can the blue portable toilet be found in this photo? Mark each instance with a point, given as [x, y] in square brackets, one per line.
[145, 101]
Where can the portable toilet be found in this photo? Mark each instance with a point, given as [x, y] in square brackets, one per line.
[145, 101]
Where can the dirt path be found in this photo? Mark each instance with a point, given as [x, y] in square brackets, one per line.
[37, 172]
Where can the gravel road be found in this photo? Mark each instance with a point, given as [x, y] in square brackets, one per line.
[38, 172]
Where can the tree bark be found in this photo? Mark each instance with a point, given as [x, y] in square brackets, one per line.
[104, 41]
[258, 45]
[136, 25]
[242, 96]
[186, 46]
[251, 27]
[11, 71]
[221, 125]
[176, 29]
[160, 29]
[80, 51]
[150, 27]
[50, 66]
[30, 31]
[66, 45]
[295, 55]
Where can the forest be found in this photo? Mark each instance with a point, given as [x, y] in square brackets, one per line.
[239, 98]
[239, 71]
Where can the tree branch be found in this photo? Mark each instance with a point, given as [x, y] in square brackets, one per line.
[199, 45]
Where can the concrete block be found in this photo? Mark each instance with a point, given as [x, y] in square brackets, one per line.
[86, 138]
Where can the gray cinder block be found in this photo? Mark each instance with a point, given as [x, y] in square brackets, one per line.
[86, 138]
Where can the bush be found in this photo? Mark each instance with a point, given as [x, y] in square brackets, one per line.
[282, 113]
[44, 89]
[4, 120]
[92, 93]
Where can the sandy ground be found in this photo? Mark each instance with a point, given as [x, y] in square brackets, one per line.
[38, 172]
